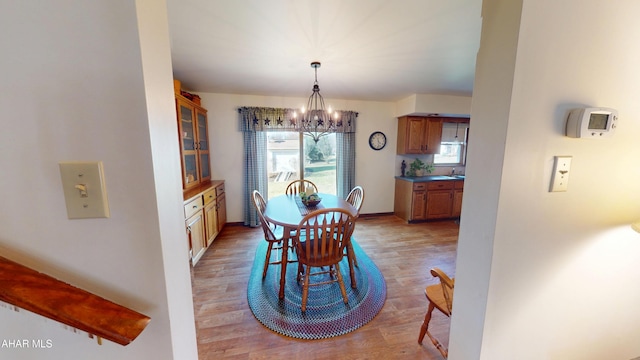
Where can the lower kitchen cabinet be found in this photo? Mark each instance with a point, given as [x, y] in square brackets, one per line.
[206, 214]
[428, 199]
[439, 199]
[457, 198]
[221, 207]
[210, 215]
[195, 225]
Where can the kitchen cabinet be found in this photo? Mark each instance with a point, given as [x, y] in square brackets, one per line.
[428, 199]
[419, 201]
[195, 226]
[210, 215]
[194, 142]
[419, 135]
[206, 214]
[221, 207]
[457, 198]
[439, 199]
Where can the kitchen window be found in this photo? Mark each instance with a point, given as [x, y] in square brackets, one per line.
[453, 146]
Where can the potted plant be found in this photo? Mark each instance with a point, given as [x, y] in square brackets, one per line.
[419, 168]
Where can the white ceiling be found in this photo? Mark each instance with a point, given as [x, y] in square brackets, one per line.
[369, 49]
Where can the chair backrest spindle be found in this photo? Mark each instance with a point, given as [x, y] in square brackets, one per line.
[297, 186]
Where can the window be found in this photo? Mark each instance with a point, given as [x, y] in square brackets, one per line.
[453, 146]
[283, 161]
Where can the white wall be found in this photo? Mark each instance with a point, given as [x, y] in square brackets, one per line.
[558, 271]
[374, 169]
[72, 89]
[426, 104]
[165, 152]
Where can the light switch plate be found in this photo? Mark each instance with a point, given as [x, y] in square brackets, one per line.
[84, 189]
[560, 174]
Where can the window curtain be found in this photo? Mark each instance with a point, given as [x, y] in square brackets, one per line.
[255, 173]
[280, 119]
[256, 121]
[345, 163]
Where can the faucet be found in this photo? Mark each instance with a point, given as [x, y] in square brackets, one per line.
[453, 171]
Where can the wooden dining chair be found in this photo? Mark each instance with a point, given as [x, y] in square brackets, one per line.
[297, 186]
[440, 296]
[355, 198]
[320, 242]
[273, 234]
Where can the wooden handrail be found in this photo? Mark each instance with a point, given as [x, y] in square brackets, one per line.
[44, 295]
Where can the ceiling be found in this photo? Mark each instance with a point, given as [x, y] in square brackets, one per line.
[376, 50]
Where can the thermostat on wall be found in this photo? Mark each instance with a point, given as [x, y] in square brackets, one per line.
[593, 123]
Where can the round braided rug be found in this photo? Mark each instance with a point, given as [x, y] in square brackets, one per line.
[327, 315]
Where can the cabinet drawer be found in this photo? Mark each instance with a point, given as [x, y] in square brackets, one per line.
[459, 184]
[419, 186]
[193, 207]
[219, 189]
[440, 185]
[209, 196]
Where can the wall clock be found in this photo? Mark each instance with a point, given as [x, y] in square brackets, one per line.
[377, 140]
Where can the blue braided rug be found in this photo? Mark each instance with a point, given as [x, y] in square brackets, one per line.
[327, 315]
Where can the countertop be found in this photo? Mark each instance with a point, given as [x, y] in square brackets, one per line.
[430, 178]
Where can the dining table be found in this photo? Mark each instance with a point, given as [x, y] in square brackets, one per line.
[288, 210]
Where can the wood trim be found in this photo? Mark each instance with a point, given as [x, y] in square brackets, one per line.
[198, 190]
[373, 215]
[46, 296]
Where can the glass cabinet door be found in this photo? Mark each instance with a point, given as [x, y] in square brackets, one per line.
[188, 128]
[203, 145]
[188, 135]
[194, 143]
[203, 136]
[190, 169]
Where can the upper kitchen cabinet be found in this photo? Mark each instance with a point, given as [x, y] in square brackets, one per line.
[419, 135]
[194, 142]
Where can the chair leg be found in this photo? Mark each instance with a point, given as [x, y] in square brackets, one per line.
[351, 259]
[300, 272]
[425, 324]
[425, 330]
[305, 289]
[267, 260]
[341, 282]
[353, 255]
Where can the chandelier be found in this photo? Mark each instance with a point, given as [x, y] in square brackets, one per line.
[316, 121]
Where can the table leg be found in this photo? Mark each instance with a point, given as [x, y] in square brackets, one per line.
[285, 260]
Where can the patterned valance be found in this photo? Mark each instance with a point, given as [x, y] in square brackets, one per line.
[280, 119]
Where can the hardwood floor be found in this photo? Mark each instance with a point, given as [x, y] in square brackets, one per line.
[404, 253]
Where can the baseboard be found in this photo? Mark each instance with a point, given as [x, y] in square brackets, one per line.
[372, 215]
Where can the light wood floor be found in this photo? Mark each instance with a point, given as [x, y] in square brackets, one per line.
[404, 253]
